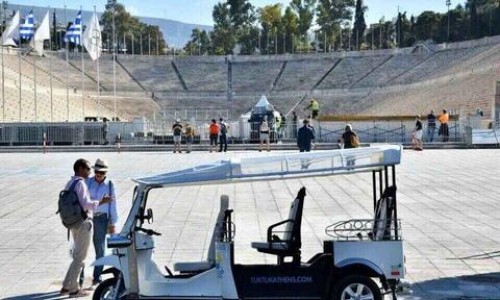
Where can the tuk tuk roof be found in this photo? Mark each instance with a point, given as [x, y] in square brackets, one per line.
[281, 166]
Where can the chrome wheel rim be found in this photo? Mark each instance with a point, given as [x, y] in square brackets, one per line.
[357, 291]
[108, 294]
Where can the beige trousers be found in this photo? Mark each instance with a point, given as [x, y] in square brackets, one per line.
[81, 237]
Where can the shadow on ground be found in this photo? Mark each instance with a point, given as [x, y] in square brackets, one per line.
[39, 296]
[471, 287]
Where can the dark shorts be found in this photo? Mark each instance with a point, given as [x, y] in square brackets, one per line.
[315, 113]
[213, 139]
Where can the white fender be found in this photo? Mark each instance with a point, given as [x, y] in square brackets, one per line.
[108, 260]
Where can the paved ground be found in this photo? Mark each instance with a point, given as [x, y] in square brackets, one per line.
[448, 202]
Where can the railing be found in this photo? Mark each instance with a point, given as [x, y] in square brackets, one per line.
[160, 132]
[366, 230]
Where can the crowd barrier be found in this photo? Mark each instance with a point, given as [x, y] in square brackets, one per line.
[127, 133]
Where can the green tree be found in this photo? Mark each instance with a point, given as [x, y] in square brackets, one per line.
[304, 10]
[199, 44]
[290, 23]
[359, 23]
[428, 25]
[331, 14]
[128, 30]
[270, 18]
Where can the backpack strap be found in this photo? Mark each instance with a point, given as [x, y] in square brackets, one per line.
[73, 184]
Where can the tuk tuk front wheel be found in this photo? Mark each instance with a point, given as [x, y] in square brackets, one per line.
[354, 287]
[107, 290]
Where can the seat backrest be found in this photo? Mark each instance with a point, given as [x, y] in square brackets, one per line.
[224, 205]
[384, 214]
[292, 229]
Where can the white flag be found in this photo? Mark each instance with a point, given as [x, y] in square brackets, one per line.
[11, 35]
[92, 37]
[41, 34]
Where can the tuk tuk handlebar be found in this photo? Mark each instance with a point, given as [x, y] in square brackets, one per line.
[147, 231]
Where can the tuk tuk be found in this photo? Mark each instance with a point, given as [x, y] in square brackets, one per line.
[360, 259]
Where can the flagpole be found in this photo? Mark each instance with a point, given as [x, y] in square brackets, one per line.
[114, 63]
[98, 78]
[67, 66]
[34, 83]
[50, 72]
[20, 93]
[3, 85]
[83, 74]
[3, 88]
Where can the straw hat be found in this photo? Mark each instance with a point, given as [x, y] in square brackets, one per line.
[100, 165]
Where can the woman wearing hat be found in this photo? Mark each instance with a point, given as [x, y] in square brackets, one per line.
[106, 216]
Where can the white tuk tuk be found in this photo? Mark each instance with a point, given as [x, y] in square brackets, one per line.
[363, 259]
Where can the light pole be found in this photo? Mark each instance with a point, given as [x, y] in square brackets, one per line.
[448, 3]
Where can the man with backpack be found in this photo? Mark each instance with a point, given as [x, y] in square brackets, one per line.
[177, 130]
[76, 209]
[223, 135]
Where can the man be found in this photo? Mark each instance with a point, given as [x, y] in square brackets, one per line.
[294, 124]
[189, 137]
[106, 215]
[177, 129]
[305, 137]
[223, 135]
[431, 126]
[105, 131]
[314, 107]
[81, 233]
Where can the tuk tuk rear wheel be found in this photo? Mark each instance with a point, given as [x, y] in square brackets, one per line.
[354, 287]
[106, 290]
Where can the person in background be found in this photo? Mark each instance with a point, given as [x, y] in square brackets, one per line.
[213, 131]
[346, 142]
[81, 234]
[177, 129]
[282, 126]
[264, 131]
[417, 135]
[223, 135]
[106, 215]
[431, 126]
[294, 124]
[189, 137]
[305, 137]
[314, 107]
[105, 130]
[443, 128]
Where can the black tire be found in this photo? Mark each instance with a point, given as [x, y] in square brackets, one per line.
[104, 290]
[356, 287]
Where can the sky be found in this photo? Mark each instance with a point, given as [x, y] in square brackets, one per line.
[200, 11]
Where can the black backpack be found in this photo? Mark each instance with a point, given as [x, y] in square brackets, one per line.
[71, 212]
[223, 128]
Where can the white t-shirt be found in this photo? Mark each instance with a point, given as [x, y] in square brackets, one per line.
[264, 127]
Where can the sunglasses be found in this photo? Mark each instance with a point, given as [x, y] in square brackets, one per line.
[100, 173]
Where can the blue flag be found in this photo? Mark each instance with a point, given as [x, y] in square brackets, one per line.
[74, 34]
[27, 29]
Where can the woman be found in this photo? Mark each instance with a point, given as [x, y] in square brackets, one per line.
[264, 133]
[417, 135]
[349, 140]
